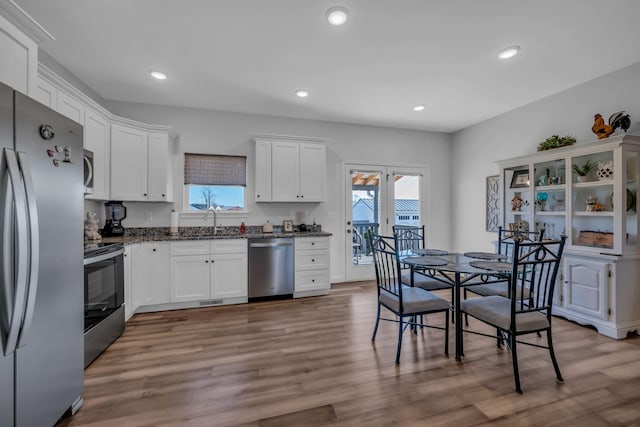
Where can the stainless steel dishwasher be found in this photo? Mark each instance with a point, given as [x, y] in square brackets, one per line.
[270, 267]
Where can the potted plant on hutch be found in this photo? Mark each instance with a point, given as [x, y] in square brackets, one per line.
[582, 171]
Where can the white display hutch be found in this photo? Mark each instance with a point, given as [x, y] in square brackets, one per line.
[599, 284]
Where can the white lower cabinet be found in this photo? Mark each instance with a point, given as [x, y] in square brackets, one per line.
[129, 306]
[600, 291]
[151, 274]
[311, 266]
[209, 272]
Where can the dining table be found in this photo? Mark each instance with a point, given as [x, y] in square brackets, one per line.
[459, 270]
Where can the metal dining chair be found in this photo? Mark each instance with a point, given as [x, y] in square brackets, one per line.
[532, 281]
[410, 238]
[406, 303]
[506, 241]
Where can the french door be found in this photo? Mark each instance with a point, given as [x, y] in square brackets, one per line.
[378, 197]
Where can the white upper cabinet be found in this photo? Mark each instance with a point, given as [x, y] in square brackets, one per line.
[70, 107]
[97, 140]
[128, 164]
[46, 93]
[263, 170]
[160, 168]
[19, 62]
[290, 171]
[313, 172]
[141, 168]
[285, 171]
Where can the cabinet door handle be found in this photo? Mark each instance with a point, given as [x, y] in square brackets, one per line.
[163, 195]
[145, 194]
[154, 249]
[206, 261]
[313, 280]
[313, 260]
[212, 261]
[302, 196]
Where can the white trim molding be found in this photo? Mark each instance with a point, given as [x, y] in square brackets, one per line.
[24, 22]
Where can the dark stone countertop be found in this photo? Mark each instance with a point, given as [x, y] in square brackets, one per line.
[132, 239]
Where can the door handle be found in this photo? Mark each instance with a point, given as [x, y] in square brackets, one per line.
[19, 203]
[34, 247]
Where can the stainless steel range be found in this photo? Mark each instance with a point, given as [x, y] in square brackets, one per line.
[103, 297]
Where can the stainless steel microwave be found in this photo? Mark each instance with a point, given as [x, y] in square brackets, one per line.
[88, 171]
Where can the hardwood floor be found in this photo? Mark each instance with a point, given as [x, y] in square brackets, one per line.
[311, 362]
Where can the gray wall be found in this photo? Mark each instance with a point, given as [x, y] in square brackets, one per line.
[518, 132]
[216, 132]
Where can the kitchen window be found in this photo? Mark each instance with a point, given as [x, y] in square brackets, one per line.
[215, 181]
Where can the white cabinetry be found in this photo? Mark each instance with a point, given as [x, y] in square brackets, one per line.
[129, 305]
[128, 163]
[46, 93]
[209, 272]
[160, 168]
[151, 274]
[97, 140]
[263, 171]
[70, 107]
[599, 215]
[311, 266]
[19, 61]
[141, 168]
[587, 286]
[290, 171]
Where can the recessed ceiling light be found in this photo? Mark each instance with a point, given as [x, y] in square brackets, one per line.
[509, 52]
[418, 108]
[158, 75]
[302, 93]
[337, 15]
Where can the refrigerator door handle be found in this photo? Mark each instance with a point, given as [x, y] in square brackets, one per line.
[34, 247]
[20, 288]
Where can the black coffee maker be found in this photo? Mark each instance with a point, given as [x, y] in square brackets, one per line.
[115, 213]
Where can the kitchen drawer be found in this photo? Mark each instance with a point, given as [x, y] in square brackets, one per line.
[312, 260]
[191, 247]
[228, 246]
[308, 243]
[312, 279]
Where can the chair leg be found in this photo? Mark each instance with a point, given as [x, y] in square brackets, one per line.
[399, 341]
[499, 339]
[375, 328]
[553, 357]
[446, 332]
[466, 316]
[514, 357]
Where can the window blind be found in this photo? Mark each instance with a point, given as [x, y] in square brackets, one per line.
[208, 169]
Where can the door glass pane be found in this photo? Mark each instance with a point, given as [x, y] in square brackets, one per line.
[406, 201]
[365, 213]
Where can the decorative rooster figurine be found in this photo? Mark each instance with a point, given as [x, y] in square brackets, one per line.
[600, 128]
[617, 120]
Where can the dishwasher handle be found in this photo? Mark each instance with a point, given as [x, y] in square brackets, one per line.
[269, 245]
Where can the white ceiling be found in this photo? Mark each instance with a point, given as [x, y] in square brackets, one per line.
[251, 55]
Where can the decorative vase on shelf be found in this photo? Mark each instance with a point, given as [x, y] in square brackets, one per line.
[582, 178]
[605, 170]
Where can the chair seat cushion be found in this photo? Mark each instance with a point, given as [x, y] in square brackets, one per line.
[424, 282]
[414, 300]
[500, 289]
[496, 311]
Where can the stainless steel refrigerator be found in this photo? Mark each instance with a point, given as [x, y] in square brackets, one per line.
[41, 250]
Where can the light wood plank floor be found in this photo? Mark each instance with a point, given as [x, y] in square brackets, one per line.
[311, 362]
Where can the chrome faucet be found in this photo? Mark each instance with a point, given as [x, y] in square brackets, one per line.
[215, 218]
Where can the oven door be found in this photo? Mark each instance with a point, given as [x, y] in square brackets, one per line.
[103, 287]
